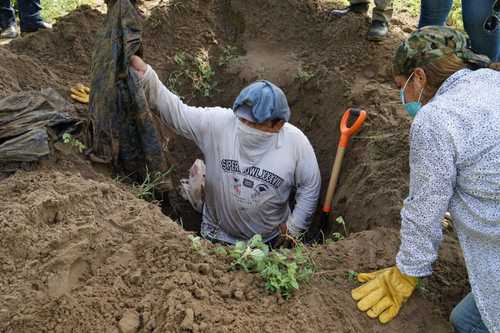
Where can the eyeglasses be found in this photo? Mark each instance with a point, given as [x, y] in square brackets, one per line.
[491, 23]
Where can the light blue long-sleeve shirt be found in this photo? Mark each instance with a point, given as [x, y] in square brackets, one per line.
[455, 167]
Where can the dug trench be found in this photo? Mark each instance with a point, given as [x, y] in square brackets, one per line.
[79, 252]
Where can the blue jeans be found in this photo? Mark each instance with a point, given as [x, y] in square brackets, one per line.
[29, 14]
[466, 318]
[475, 12]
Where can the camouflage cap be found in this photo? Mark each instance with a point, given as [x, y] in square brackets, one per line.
[431, 43]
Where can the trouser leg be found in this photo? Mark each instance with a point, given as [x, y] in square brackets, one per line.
[382, 11]
[7, 14]
[29, 14]
[434, 12]
[483, 42]
[466, 318]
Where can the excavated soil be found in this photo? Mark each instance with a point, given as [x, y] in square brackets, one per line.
[82, 255]
[79, 253]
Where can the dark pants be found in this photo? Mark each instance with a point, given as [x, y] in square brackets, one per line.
[29, 14]
[435, 12]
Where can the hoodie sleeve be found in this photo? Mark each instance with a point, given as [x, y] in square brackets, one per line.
[308, 183]
[192, 123]
[432, 180]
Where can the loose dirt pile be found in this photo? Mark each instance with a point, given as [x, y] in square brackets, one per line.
[87, 256]
[84, 255]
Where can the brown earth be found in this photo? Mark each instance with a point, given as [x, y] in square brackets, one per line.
[80, 253]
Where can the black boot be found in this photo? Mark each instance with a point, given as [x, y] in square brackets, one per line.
[358, 8]
[378, 31]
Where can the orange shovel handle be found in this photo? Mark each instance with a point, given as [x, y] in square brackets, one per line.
[345, 131]
[345, 134]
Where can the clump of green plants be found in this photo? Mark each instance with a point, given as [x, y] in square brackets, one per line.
[303, 75]
[195, 70]
[229, 54]
[202, 76]
[282, 269]
[196, 244]
[146, 190]
[70, 140]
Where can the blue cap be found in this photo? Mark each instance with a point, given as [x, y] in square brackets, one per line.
[262, 101]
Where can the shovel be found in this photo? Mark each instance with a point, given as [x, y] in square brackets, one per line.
[346, 133]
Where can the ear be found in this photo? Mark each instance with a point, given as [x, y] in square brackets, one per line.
[420, 78]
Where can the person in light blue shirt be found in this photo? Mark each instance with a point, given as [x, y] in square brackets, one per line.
[453, 95]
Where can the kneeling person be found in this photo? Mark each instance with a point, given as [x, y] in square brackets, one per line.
[254, 158]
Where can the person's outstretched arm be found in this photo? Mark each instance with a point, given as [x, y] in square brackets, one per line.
[190, 122]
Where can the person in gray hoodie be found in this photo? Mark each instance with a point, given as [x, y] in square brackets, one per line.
[254, 158]
[453, 95]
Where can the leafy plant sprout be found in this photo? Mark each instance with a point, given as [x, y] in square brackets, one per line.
[69, 139]
[229, 54]
[282, 269]
[340, 220]
[304, 76]
[146, 190]
[193, 69]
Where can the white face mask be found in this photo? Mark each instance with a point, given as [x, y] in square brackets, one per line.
[253, 143]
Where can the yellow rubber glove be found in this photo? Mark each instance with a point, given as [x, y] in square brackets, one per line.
[80, 93]
[384, 292]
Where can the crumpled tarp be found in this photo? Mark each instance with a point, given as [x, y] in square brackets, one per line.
[124, 129]
[24, 121]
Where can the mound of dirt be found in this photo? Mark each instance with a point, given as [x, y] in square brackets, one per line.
[58, 58]
[78, 255]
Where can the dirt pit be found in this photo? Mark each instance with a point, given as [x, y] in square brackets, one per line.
[80, 253]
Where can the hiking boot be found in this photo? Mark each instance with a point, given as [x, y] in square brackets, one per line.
[378, 31]
[41, 26]
[9, 32]
[358, 8]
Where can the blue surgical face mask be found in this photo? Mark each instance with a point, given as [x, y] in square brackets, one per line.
[412, 107]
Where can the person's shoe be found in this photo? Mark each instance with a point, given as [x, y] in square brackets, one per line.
[359, 8]
[9, 32]
[40, 26]
[378, 31]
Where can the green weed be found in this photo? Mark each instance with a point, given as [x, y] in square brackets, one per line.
[229, 54]
[196, 244]
[146, 190]
[194, 70]
[303, 75]
[352, 276]
[73, 142]
[337, 236]
[202, 76]
[282, 269]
